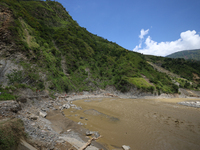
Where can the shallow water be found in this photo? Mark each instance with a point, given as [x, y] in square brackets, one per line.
[141, 124]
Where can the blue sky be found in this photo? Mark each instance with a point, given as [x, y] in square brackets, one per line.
[156, 27]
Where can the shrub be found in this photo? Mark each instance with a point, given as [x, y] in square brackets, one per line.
[11, 132]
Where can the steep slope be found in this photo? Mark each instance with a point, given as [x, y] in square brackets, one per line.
[186, 54]
[56, 54]
[185, 72]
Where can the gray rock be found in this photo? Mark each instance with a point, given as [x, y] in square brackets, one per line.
[66, 106]
[125, 147]
[80, 123]
[43, 114]
[89, 133]
[33, 117]
[94, 133]
[22, 99]
[15, 108]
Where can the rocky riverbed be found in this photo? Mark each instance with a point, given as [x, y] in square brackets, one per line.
[46, 125]
[56, 133]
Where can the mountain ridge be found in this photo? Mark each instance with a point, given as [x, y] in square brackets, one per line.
[186, 54]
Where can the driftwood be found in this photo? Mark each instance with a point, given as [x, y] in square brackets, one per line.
[88, 143]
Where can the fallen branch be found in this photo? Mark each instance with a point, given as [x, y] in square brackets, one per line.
[88, 143]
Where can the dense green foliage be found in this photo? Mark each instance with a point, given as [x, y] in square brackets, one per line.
[187, 54]
[187, 69]
[71, 58]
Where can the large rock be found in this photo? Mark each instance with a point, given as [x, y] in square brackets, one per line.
[22, 99]
[94, 133]
[125, 147]
[15, 108]
[43, 114]
[25, 146]
[66, 106]
[33, 117]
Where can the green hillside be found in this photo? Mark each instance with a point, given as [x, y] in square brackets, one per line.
[185, 72]
[187, 54]
[59, 55]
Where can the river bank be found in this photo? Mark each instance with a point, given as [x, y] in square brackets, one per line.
[45, 120]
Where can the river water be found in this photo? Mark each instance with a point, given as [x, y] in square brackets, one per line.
[139, 123]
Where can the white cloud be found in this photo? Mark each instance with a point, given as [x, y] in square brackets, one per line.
[143, 33]
[188, 40]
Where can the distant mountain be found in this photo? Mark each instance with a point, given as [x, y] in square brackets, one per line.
[186, 54]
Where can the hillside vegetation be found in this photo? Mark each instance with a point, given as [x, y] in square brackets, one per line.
[185, 72]
[187, 54]
[59, 55]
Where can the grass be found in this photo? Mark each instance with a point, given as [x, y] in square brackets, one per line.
[141, 83]
[6, 96]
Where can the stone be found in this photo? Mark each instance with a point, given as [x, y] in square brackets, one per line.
[22, 99]
[43, 114]
[66, 106]
[15, 108]
[89, 133]
[80, 123]
[33, 117]
[95, 133]
[125, 147]
[60, 141]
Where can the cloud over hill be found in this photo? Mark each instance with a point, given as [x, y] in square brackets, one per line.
[188, 40]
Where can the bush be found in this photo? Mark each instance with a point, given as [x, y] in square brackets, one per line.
[11, 132]
[15, 76]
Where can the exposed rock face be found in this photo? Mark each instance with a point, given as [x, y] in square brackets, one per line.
[7, 45]
[7, 107]
[6, 67]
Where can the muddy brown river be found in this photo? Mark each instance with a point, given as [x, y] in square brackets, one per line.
[142, 124]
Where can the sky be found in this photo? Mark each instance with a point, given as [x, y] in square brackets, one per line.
[154, 27]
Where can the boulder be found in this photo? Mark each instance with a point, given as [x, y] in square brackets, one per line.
[66, 106]
[33, 117]
[15, 108]
[43, 114]
[22, 99]
[125, 147]
[94, 133]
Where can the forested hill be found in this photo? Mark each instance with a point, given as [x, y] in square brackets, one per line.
[57, 54]
[187, 54]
